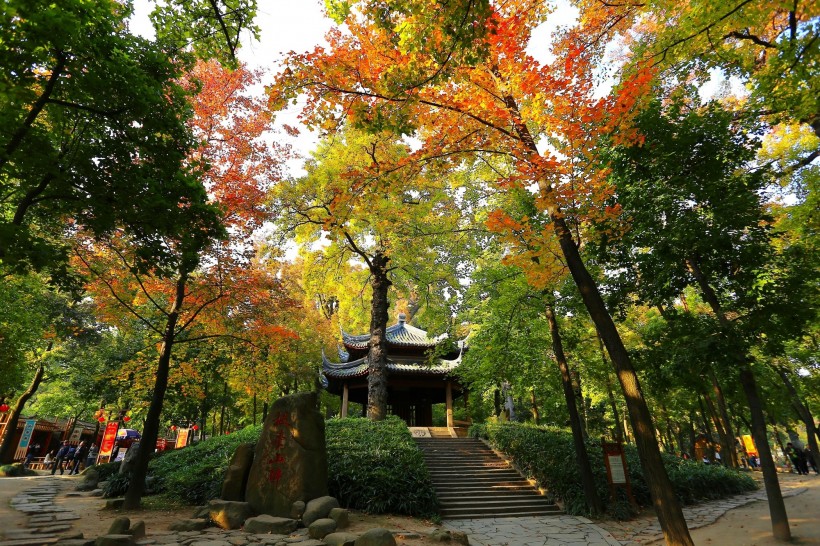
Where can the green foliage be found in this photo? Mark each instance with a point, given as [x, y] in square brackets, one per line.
[195, 474]
[547, 454]
[106, 470]
[376, 466]
[116, 485]
[15, 471]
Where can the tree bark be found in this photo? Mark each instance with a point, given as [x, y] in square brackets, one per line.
[777, 508]
[666, 504]
[7, 447]
[802, 411]
[724, 417]
[535, 414]
[587, 479]
[377, 354]
[726, 443]
[619, 432]
[150, 432]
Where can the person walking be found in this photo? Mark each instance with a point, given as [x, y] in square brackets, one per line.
[91, 460]
[62, 453]
[798, 459]
[79, 457]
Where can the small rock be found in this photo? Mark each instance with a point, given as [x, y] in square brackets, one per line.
[137, 530]
[321, 528]
[229, 514]
[340, 539]
[341, 516]
[265, 524]
[119, 526]
[202, 512]
[460, 537]
[114, 540]
[188, 525]
[318, 508]
[114, 504]
[376, 537]
[440, 535]
[96, 493]
[297, 509]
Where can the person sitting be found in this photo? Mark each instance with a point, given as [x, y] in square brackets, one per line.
[49, 459]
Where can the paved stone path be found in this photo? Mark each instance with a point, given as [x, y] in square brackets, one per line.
[533, 531]
[647, 530]
[47, 522]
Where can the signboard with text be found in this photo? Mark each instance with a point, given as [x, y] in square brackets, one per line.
[616, 470]
[749, 445]
[109, 439]
[182, 437]
[28, 430]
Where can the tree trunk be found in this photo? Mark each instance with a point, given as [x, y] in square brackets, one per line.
[726, 443]
[802, 411]
[377, 355]
[619, 432]
[150, 432]
[7, 447]
[724, 417]
[535, 415]
[587, 478]
[777, 508]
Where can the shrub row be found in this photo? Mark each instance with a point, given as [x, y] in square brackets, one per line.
[547, 454]
[378, 468]
[375, 467]
[194, 474]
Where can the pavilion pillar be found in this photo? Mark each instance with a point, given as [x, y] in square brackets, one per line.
[345, 397]
[448, 389]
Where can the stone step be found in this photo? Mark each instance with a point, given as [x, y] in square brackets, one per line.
[472, 481]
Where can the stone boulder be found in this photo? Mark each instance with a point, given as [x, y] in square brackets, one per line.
[320, 528]
[89, 479]
[290, 462]
[119, 526]
[340, 539]
[318, 509]
[229, 514]
[137, 530]
[341, 516]
[376, 537]
[297, 510]
[236, 477]
[114, 540]
[189, 525]
[265, 524]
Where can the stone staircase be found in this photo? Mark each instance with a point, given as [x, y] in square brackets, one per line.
[471, 481]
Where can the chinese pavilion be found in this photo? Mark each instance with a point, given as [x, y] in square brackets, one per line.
[414, 381]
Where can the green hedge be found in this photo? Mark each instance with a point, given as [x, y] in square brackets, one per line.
[377, 467]
[15, 470]
[548, 455]
[194, 474]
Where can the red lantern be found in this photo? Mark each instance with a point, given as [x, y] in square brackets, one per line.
[4, 407]
[173, 427]
[101, 419]
[126, 419]
[195, 427]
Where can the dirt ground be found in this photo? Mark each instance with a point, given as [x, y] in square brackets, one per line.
[750, 525]
[747, 526]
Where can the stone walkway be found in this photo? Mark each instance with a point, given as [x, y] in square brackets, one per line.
[47, 523]
[647, 530]
[533, 531]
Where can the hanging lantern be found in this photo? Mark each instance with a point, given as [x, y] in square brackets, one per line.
[173, 427]
[101, 419]
[4, 407]
[195, 427]
[126, 419]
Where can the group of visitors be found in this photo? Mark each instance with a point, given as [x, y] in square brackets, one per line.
[71, 458]
[801, 459]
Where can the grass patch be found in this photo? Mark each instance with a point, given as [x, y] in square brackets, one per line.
[15, 470]
[548, 455]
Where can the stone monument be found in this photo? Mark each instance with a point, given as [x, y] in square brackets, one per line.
[290, 463]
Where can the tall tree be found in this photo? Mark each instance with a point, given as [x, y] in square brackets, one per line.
[461, 80]
[715, 238]
[365, 200]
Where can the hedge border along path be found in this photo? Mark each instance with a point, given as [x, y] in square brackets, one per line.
[547, 455]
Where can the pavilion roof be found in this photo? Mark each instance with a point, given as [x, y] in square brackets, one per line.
[358, 367]
[400, 334]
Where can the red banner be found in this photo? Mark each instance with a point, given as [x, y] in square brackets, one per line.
[162, 444]
[109, 438]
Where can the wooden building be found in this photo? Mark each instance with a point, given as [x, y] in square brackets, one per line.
[416, 379]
